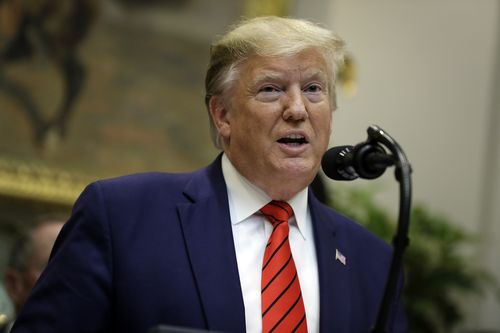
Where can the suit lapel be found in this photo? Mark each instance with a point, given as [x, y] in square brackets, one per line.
[334, 276]
[207, 232]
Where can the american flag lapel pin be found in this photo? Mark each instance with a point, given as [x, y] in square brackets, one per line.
[340, 257]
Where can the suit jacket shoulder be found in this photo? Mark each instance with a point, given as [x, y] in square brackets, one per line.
[139, 251]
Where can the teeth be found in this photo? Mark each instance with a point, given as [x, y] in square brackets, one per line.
[293, 139]
[294, 136]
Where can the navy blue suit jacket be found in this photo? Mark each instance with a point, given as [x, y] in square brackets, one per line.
[157, 248]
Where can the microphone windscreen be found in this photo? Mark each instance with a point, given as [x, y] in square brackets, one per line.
[336, 163]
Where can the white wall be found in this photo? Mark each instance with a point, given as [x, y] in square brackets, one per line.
[427, 73]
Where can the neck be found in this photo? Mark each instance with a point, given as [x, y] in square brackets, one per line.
[281, 192]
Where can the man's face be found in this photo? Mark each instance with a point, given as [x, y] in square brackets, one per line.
[276, 120]
[20, 283]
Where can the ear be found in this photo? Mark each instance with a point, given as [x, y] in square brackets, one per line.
[14, 285]
[220, 116]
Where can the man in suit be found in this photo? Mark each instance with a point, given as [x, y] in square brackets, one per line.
[28, 257]
[209, 249]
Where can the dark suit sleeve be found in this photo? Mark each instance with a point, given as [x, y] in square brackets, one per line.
[74, 292]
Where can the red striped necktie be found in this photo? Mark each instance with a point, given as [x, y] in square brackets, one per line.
[282, 304]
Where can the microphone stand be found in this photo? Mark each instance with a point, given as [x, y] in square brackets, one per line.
[400, 240]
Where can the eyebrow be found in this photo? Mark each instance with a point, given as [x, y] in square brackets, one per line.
[277, 76]
[317, 75]
[269, 76]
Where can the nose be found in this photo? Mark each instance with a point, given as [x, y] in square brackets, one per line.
[295, 108]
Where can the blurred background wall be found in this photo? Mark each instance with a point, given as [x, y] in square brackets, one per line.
[428, 72]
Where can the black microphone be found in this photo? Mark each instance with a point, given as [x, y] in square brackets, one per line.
[365, 160]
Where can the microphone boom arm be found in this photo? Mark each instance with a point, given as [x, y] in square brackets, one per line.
[400, 240]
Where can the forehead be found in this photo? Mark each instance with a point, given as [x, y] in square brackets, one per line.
[302, 65]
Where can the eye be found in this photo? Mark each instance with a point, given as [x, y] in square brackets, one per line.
[269, 93]
[314, 92]
[269, 89]
[313, 88]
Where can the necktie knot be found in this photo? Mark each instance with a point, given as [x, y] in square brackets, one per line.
[277, 212]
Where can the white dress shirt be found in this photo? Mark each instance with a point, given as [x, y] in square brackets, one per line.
[251, 231]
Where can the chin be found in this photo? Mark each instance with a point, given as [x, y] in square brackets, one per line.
[297, 171]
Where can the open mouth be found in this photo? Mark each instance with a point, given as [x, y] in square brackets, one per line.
[293, 140]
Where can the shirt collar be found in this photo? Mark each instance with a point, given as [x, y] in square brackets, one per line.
[245, 199]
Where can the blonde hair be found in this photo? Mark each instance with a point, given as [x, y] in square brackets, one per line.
[267, 36]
